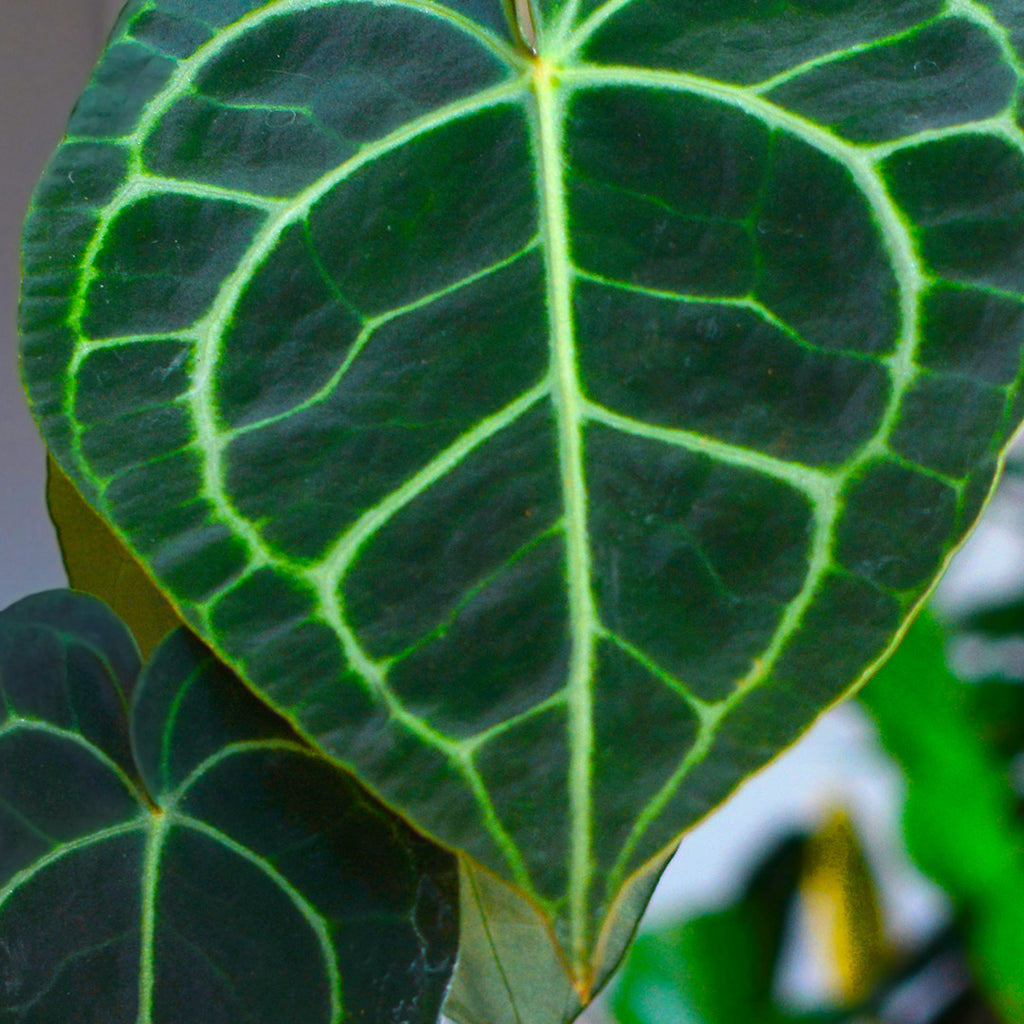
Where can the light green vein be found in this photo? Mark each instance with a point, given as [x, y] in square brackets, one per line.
[59, 974]
[147, 184]
[818, 564]
[981, 15]
[834, 56]
[326, 579]
[170, 800]
[21, 878]
[472, 744]
[579, 38]
[85, 346]
[371, 325]
[702, 745]
[328, 574]
[171, 722]
[1001, 126]
[707, 712]
[473, 591]
[36, 725]
[15, 814]
[747, 302]
[896, 236]
[817, 484]
[181, 82]
[210, 330]
[568, 404]
[552, 42]
[308, 912]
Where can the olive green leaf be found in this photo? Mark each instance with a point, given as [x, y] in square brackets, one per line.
[550, 408]
[196, 863]
[98, 563]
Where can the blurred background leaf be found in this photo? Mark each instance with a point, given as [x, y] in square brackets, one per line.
[962, 816]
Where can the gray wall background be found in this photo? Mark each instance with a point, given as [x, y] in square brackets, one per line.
[46, 50]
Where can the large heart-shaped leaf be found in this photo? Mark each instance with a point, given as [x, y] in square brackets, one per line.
[214, 870]
[550, 420]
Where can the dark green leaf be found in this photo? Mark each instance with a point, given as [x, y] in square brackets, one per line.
[962, 823]
[549, 439]
[223, 874]
[98, 563]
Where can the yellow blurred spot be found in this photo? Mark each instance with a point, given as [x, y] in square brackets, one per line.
[843, 910]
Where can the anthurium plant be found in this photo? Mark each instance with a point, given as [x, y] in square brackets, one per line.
[540, 413]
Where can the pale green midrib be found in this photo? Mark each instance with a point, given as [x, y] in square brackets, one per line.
[567, 401]
[911, 282]
[155, 837]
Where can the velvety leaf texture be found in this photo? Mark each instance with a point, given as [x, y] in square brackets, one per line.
[193, 862]
[550, 437]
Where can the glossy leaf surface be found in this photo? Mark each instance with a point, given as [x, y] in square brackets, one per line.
[198, 863]
[552, 438]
